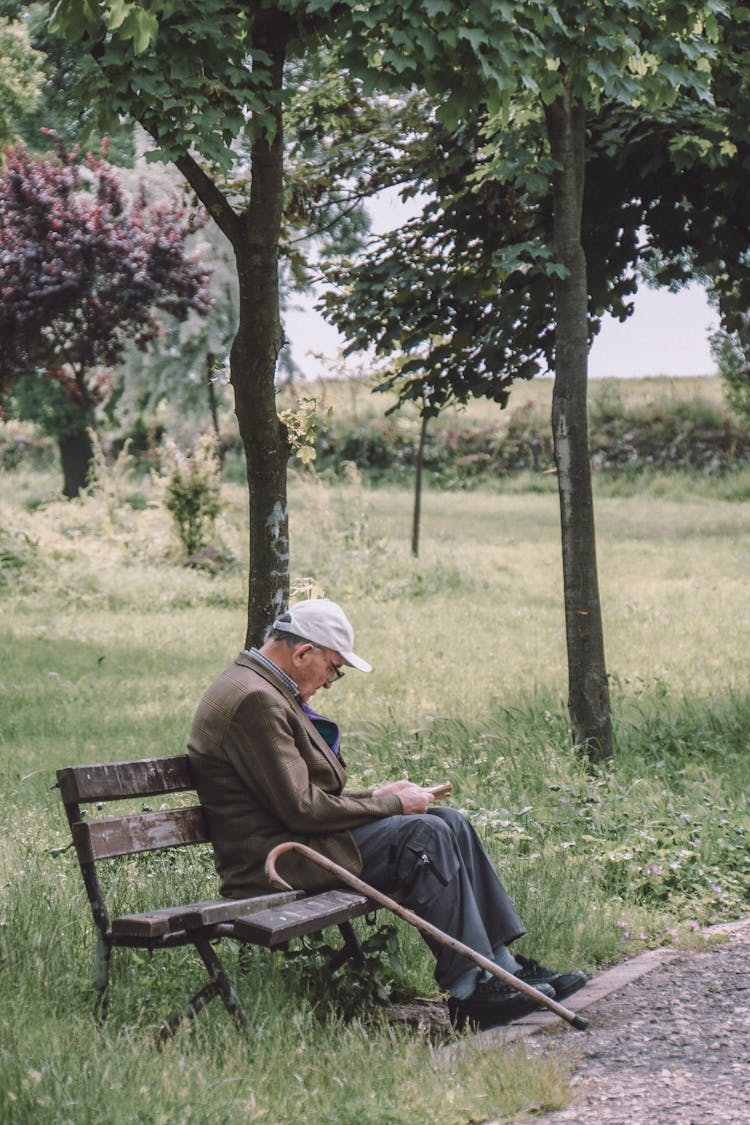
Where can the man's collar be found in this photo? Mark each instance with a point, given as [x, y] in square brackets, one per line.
[274, 669]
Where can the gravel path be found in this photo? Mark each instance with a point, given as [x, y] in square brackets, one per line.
[670, 1046]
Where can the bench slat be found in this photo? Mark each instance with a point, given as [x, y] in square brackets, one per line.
[111, 836]
[308, 915]
[194, 915]
[227, 910]
[115, 781]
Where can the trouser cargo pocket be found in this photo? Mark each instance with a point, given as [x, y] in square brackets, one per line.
[423, 861]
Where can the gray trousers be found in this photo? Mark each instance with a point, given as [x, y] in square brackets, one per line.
[438, 865]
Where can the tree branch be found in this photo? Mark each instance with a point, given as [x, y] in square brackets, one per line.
[213, 199]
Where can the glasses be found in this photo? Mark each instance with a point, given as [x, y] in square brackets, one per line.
[335, 670]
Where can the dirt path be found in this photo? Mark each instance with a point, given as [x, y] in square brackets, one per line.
[668, 1041]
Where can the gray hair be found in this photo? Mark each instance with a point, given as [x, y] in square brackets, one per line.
[290, 639]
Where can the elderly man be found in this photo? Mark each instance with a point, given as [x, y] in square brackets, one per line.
[269, 769]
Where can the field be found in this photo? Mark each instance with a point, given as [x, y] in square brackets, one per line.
[352, 398]
[108, 641]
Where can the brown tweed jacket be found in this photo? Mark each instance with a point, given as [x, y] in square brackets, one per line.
[265, 775]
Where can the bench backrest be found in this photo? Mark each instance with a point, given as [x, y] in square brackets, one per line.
[108, 836]
[115, 781]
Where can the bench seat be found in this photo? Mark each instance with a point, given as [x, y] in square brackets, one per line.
[153, 924]
[276, 926]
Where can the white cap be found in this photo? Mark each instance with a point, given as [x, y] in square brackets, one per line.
[324, 623]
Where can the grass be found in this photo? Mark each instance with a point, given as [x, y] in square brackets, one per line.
[107, 644]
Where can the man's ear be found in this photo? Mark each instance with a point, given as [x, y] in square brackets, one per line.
[299, 652]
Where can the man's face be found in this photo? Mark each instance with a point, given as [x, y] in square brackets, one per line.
[315, 667]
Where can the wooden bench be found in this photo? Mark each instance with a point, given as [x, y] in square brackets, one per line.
[269, 920]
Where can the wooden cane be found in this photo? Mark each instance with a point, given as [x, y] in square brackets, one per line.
[575, 1019]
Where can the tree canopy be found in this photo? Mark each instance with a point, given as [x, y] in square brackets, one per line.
[211, 81]
[546, 71]
[84, 271]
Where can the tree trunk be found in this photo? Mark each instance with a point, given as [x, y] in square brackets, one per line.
[76, 456]
[254, 235]
[588, 690]
[418, 489]
[254, 354]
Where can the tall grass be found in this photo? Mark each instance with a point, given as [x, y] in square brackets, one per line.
[108, 642]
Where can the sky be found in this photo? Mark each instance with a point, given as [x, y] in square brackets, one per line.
[666, 335]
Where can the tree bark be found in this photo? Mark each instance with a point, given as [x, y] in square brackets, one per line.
[255, 352]
[588, 689]
[254, 234]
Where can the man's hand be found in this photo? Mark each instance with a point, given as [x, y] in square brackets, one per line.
[414, 798]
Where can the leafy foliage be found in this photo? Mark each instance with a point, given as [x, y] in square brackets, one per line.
[84, 271]
[731, 350]
[640, 52]
[359, 982]
[178, 384]
[47, 404]
[61, 100]
[668, 862]
[21, 77]
[464, 289]
[191, 72]
[302, 425]
[460, 290]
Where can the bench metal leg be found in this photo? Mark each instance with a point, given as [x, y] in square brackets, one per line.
[219, 985]
[222, 981]
[350, 948]
[102, 958]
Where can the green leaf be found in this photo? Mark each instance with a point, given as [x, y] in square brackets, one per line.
[438, 8]
[76, 18]
[474, 36]
[146, 28]
[117, 11]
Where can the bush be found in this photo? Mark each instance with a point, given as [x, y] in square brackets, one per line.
[692, 435]
[379, 449]
[731, 351]
[192, 491]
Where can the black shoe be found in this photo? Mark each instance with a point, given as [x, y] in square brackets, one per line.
[493, 1003]
[562, 984]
